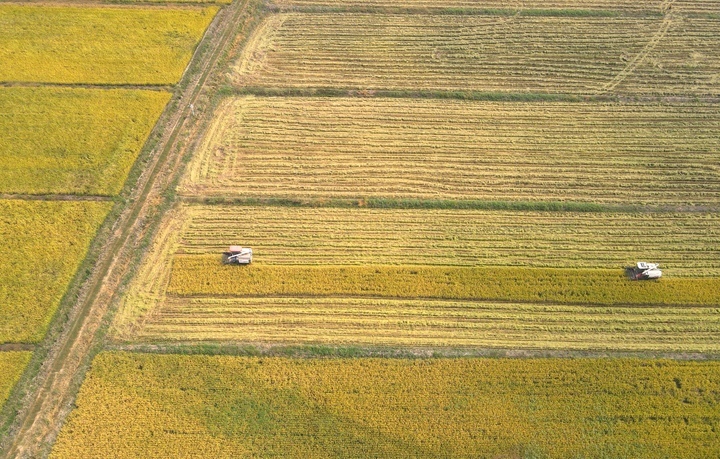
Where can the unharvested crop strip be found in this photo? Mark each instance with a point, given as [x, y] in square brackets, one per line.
[207, 276]
[139, 405]
[43, 245]
[98, 44]
[72, 141]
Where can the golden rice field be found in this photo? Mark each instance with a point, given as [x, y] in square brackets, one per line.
[43, 243]
[431, 323]
[632, 153]
[12, 364]
[206, 275]
[103, 45]
[140, 405]
[671, 54]
[78, 141]
[427, 278]
[689, 6]
[687, 243]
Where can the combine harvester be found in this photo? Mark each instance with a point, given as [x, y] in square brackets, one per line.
[644, 271]
[238, 255]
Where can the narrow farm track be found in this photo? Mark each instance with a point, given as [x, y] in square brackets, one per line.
[44, 411]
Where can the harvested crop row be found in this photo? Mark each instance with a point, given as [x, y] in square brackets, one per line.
[12, 365]
[43, 243]
[523, 54]
[685, 243]
[145, 405]
[349, 147]
[399, 322]
[103, 45]
[206, 275]
[73, 141]
[557, 6]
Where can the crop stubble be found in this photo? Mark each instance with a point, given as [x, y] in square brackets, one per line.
[643, 153]
[670, 54]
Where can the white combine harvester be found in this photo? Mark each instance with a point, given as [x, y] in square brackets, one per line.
[645, 271]
[238, 255]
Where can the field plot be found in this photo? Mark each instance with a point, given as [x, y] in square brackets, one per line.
[205, 275]
[43, 243]
[135, 405]
[686, 243]
[12, 364]
[571, 55]
[73, 141]
[445, 149]
[103, 45]
[559, 7]
[318, 275]
[426, 323]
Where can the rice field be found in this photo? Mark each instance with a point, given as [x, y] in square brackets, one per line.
[101, 45]
[145, 405]
[206, 275]
[688, 243]
[632, 153]
[397, 322]
[12, 365]
[427, 277]
[43, 243]
[514, 6]
[73, 141]
[658, 55]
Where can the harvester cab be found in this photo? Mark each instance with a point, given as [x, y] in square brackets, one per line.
[645, 271]
[238, 255]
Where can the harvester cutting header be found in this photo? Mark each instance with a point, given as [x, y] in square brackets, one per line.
[645, 271]
[238, 255]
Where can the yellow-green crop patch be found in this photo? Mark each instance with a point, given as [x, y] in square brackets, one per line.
[140, 405]
[670, 54]
[72, 141]
[43, 243]
[12, 364]
[632, 153]
[206, 275]
[103, 45]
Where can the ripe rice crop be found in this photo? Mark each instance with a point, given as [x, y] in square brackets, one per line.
[43, 243]
[149, 405]
[632, 153]
[12, 364]
[78, 141]
[684, 243]
[103, 45]
[672, 54]
[206, 275]
[430, 323]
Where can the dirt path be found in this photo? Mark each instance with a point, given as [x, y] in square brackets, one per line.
[45, 409]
